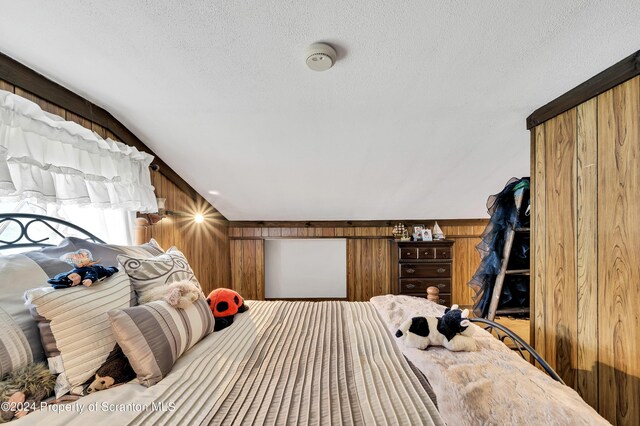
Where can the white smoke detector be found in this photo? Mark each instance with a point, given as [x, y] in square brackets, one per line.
[320, 56]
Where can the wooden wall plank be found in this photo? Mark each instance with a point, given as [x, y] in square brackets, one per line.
[80, 120]
[259, 269]
[249, 279]
[101, 131]
[619, 253]
[461, 257]
[351, 270]
[538, 241]
[587, 269]
[7, 86]
[561, 331]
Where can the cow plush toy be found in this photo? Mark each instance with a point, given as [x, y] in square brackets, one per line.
[225, 304]
[451, 331]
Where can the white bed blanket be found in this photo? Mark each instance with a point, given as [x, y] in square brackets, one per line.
[493, 386]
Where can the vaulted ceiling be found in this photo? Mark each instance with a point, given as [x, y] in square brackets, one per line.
[423, 116]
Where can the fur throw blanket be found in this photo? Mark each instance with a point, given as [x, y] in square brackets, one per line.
[491, 386]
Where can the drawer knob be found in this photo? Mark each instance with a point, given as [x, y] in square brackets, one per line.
[411, 285]
[441, 285]
[410, 270]
[440, 270]
[441, 301]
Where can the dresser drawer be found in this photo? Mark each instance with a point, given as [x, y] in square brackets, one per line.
[427, 253]
[408, 253]
[443, 253]
[426, 270]
[420, 285]
[444, 299]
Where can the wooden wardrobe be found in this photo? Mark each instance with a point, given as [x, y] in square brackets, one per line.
[585, 170]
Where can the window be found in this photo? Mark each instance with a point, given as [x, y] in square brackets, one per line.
[110, 225]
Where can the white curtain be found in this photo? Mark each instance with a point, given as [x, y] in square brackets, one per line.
[59, 162]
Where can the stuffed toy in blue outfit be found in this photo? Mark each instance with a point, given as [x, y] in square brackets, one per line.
[85, 270]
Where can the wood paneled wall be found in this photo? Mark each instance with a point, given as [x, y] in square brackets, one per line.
[247, 268]
[586, 249]
[368, 252]
[368, 268]
[205, 245]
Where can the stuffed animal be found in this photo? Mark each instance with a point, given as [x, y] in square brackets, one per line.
[180, 294]
[451, 331]
[85, 270]
[24, 389]
[115, 370]
[224, 304]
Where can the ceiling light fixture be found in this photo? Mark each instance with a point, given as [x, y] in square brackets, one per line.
[320, 56]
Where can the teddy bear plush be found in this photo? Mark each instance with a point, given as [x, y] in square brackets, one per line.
[451, 331]
[180, 294]
[85, 270]
[23, 389]
[224, 304]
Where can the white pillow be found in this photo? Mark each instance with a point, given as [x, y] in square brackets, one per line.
[147, 273]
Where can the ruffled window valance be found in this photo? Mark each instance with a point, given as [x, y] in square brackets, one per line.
[43, 156]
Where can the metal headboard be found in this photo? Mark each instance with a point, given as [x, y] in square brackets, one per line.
[520, 345]
[26, 220]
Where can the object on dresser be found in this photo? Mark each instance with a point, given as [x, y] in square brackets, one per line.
[437, 232]
[417, 232]
[25, 387]
[225, 304]
[399, 231]
[86, 271]
[450, 331]
[424, 264]
[426, 235]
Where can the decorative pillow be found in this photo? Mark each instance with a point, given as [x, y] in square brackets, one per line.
[108, 253]
[162, 270]
[153, 336]
[19, 336]
[75, 329]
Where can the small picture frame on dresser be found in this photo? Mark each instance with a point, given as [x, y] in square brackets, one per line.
[417, 232]
[426, 235]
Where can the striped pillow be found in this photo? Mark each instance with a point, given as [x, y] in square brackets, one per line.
[75, 328]
[153, 336]
[19, 336]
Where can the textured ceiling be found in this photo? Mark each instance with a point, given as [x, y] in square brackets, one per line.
[423, 115]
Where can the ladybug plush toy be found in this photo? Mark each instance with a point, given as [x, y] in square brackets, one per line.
[224, 304]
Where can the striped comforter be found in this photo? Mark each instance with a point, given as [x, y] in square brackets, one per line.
[279, 363]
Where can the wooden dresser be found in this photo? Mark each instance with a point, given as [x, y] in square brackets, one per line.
[422, 264]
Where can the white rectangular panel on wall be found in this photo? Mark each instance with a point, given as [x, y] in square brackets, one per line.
[305, 268]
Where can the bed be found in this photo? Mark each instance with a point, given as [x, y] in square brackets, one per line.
[325, 363]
